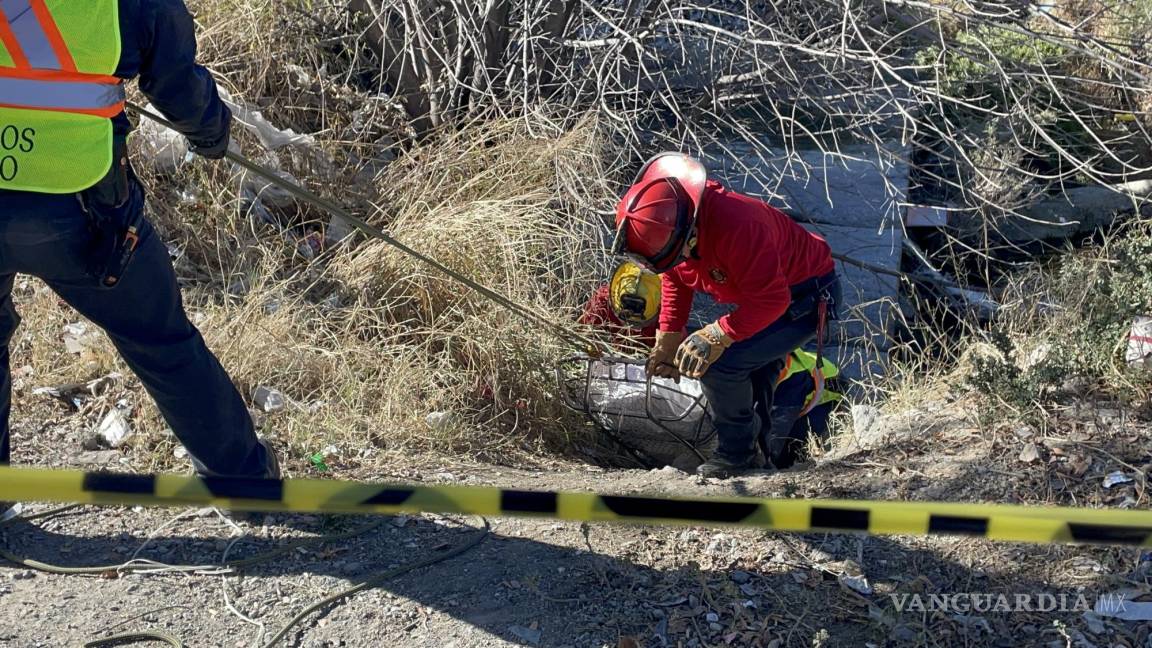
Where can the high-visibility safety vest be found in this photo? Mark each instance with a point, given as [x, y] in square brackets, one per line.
[801, 360]
[57, 93]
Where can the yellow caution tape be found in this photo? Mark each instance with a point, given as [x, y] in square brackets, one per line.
[992, 521]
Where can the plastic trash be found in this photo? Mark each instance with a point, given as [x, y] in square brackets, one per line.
[269, 399]
[441, 420]
[1117, 478]
[1139, 349]
[254, 121]
[114, 430]
[78, 337]
[165, 149]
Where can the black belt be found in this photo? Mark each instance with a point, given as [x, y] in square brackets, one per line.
[812, 286]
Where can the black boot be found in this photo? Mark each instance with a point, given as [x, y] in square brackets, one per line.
[720, 468]
[272, 472]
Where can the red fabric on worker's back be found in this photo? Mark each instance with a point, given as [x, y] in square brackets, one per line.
[598, 313]
[750, 253]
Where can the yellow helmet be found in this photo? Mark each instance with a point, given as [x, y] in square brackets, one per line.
[634, 295]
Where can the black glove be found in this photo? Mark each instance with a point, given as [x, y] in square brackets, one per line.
[214, 150]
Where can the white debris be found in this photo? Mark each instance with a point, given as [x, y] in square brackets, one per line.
[78, 337]
[442, 420]
[1139, 342]
[269, 399]
[76, 393]
[180, 452]
[857, 584]
[1116, 478]
[114, 429]
[166, 149]
[253, 120]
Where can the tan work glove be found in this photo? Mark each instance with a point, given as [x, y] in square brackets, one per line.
[661, 361]
[701, 349]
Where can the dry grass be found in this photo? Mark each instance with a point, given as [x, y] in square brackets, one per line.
[364, 340]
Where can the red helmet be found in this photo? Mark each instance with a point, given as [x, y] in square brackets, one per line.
[656, 216]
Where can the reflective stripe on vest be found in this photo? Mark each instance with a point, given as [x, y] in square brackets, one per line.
[36, 36]
[55, 101]
[105, 100]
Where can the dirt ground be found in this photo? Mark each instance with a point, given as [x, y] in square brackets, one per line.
[542, 583]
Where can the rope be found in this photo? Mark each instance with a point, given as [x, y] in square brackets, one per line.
[588, 345]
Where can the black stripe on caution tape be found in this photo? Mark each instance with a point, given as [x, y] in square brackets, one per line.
[952, 524]
[100, 482]
[270, 490]
[839, 518]
[517, 501]
[389, 497]
[671, 509]
[1104, 534]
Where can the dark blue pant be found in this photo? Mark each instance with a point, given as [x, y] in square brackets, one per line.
[48, 236]
[728, 383]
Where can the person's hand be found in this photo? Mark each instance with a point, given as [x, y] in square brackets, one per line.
[661, 359]
[214, 151]
[701, 349]
[218, 148]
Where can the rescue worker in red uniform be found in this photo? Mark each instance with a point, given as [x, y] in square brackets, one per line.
[701, 237]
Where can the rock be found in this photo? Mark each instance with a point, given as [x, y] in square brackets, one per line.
[740, 577]
[98, 458]
[269, 399]
[1030, 453]
[715, 627]
[27, 574]
[529, 635]
[711, 617]
[864, 418]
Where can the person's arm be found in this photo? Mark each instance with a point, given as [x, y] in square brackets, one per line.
[755, 268]
[184, 91]
[675, 302]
